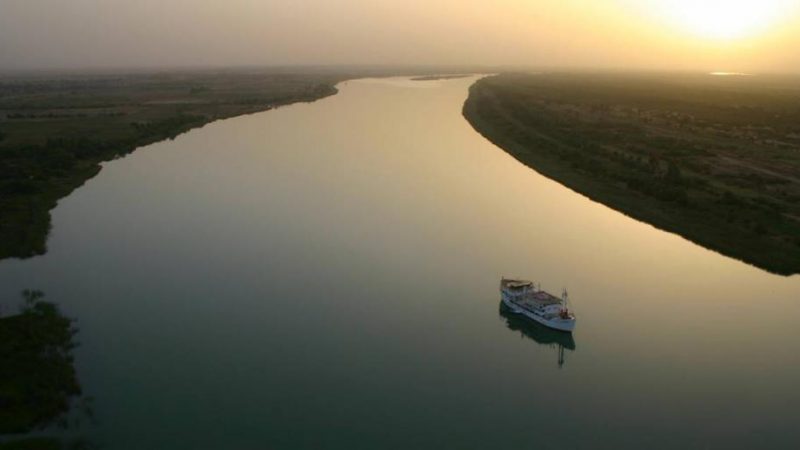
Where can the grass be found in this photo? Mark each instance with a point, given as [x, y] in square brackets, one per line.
[56, 130]
[713, 159]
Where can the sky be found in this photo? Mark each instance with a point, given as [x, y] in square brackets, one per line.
[713, 35]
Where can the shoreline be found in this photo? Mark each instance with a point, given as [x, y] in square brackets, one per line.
[543, 150]
[26, 202]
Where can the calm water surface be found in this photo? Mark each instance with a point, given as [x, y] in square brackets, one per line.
[325, 276]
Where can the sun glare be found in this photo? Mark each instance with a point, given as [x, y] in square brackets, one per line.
[725, 19]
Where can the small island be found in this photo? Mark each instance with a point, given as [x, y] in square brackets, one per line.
[38, 382]
[440, 77]
[713, 159]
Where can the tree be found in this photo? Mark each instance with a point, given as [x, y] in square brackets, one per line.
[673, 173]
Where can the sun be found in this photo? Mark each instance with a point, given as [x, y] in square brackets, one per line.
[724, 19]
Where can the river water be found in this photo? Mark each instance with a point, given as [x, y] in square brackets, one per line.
[326, 275]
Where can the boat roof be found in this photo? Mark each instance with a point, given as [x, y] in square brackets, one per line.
[517, 283]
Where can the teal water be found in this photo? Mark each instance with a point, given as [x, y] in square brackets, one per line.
[325, 275]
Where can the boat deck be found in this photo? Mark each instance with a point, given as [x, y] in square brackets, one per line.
[530, 303]
[543, 297]
[522, 292]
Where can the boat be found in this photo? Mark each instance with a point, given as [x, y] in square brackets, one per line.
[525, 298]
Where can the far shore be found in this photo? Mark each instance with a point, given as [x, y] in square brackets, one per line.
[680, 153]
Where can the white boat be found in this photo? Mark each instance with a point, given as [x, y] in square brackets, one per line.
[524, 298]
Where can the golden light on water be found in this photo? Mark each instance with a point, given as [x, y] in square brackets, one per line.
[730, 74]
[725, 19]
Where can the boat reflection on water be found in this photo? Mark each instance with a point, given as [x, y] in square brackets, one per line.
[539, 333]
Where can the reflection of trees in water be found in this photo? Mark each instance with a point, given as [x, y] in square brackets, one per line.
[539, 333]
[38, 384]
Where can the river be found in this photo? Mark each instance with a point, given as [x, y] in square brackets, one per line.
[325, 275]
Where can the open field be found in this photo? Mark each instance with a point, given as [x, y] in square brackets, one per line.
[55, 130]
[714, 159]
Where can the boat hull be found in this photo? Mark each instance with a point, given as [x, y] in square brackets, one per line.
[556, 324]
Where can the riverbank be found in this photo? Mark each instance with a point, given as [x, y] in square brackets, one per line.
[55, 131]
[713, 159]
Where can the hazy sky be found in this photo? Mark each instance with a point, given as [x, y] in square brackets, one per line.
[727, 35]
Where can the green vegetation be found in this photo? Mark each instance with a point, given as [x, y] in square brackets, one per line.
[54, 131]
[37, 377]
[714, 159]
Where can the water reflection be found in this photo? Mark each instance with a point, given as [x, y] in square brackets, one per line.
[539, 333]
